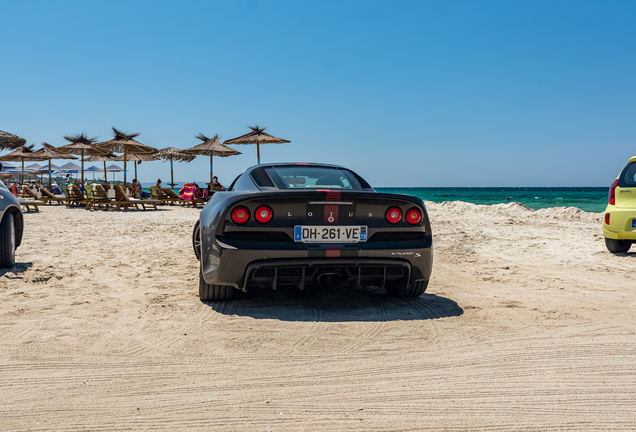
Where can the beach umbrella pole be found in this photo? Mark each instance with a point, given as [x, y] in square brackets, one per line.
[49, 173]
[211, 167]
[258, 153]
[82, 179]
[136, 171]
[105, 173]
[171, 175]
[125, 156]
[22, 180]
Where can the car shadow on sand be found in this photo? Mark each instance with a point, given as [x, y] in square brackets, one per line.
[336, 305]
[17, 269]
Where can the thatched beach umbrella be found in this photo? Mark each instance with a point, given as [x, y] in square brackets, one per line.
[24, 153]
[174, 154]
[137, 159]
[211, 147]
[81, 145]
[50, 152]
[103, 158]
[125, 143]
[258, 136]
[10, 141]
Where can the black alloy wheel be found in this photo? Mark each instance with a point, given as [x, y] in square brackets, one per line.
[196, 240]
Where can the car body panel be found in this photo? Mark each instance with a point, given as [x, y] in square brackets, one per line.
[231, 252]
[9, 203]
[622, 214]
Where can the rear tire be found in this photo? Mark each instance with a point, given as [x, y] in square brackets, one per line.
[617, 246]
[209, 292]
[7, 241]
[196, 240]
[416, 289]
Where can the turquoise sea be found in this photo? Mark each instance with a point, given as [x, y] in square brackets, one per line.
[592, 199]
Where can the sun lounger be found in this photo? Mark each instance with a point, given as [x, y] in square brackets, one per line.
[97, 197]
[29, 194]
[171, 194]
[121, 196]
[30, 203]
[98, 190]
[159, 194]
[74, 196]
[50, 198]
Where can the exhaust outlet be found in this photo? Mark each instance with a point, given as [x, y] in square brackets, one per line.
[329, 279]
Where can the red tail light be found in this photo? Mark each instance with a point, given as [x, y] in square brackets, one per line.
[413, 216]
[607, 218]
[393, 215]
[612, 193]
[240, 215]
[263, 214]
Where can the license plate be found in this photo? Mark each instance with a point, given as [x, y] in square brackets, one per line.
[330, 234]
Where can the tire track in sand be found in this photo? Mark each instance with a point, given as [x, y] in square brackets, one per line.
[381, 314]
[210, 311]
[313, 331]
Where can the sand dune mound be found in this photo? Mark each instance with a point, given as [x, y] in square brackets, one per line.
[568, 213]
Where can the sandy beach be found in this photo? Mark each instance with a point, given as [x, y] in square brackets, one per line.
[527, 324]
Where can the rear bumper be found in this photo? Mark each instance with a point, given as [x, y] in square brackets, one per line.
[621, 225]
[299, 272]
[240, 267]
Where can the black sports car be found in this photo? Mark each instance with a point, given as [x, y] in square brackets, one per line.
[11, 226]
[311, 224]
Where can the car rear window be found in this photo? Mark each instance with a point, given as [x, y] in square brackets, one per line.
[312, 177]
[628, 176]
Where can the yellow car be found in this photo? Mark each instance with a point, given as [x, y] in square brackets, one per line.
[619, 224]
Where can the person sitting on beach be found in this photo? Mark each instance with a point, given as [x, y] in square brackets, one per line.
[158, 189]
[137, 192]
[216, 186]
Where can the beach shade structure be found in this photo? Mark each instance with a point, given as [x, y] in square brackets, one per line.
[8, 166]
[114, 169]
[50, 152]
[70, 167]
[174, 154]
[33, 168]
[10, 141]
[24, 153]
[93, 169]
[258, 136]
[103, 158]
[211, 147]
[125, 143]
[82, 145]
[137, 159]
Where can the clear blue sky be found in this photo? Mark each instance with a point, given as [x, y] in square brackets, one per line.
[407, 93]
